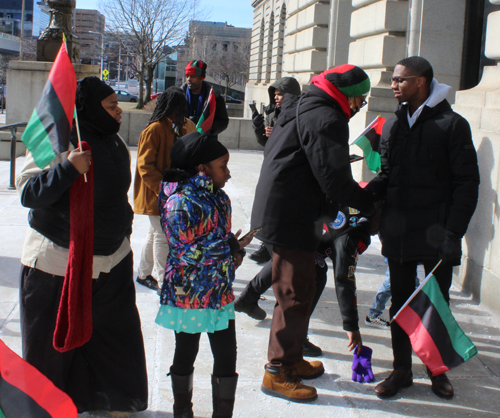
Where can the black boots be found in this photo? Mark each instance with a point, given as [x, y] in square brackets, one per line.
[223, 393]
[182, 387]
[261, 255]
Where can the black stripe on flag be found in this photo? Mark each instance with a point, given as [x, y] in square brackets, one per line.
[374, 139]
[436, 328]
[14, 403]
[53, 117]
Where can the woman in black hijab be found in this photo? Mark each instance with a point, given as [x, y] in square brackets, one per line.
[109, 371]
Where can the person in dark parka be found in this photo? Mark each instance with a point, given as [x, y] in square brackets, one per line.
[262, 124]
[305, 160]
[108, 372]
[429, 180]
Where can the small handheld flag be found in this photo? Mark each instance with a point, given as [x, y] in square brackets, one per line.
[369, 141]
[48, 131]
[27, 393]
[434, 333]
[207, 117]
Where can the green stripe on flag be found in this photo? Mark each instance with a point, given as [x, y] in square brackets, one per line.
[461, 343]
[372, 157]
[37, 141]
[1, 414]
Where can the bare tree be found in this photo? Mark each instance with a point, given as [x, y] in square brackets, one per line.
[146, 28]
[229, 64]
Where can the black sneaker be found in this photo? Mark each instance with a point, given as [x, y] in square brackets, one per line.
[377, 322]
[261, 255]
[310, 350]
[149, 281]
[253, 310]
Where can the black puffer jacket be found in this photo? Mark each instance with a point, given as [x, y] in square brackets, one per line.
[47, 194]
[295, 177]
[271, 111]
[430, 181]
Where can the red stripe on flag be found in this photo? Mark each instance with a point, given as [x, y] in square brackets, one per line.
[209, 121]
[379, 125]
[421, 340]
[28, 379]
[63, 79]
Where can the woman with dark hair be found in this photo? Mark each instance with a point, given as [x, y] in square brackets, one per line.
[153, 157]
[107, 372]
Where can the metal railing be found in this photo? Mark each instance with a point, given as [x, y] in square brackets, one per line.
[13, 131]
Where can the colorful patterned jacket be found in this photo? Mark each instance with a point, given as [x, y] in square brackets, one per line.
[196, 218]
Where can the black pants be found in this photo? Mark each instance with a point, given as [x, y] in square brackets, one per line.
[108, 372]
[222, 343]
[402, 286]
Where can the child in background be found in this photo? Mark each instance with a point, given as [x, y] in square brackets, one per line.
[197, 294]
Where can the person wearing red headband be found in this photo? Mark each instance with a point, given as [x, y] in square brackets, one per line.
[197, 91]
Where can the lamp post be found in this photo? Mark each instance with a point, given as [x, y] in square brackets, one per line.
[102, 48]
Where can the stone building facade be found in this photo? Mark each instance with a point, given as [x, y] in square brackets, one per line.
[214, 40]
[461, 38]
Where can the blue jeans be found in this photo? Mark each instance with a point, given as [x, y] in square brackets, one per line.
[382, 297]
[384, 294]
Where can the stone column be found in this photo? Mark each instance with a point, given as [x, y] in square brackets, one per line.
[479, 273]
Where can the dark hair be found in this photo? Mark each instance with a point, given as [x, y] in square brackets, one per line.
[420, 66]
[171, 100]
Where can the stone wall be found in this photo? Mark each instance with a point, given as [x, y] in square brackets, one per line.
[479, 273]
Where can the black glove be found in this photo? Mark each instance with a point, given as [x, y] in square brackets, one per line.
[451, 250]
[257, 120]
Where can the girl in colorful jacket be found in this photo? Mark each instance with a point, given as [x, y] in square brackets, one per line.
[197, 294]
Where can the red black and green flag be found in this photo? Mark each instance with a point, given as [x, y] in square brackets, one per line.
[48, 131]
[369, 141]
[434, 333]
[27, 393]
[207, 117]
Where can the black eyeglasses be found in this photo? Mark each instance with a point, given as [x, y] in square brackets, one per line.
[363, 103]
[399, 80]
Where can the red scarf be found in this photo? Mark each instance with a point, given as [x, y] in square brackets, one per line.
[321, 82]
[74, 318]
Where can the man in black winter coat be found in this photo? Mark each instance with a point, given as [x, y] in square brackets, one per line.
[197, 91]
[262, 125]
[429, 180]
[306, 159]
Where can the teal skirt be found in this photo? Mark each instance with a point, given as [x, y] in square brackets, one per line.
[194, 321]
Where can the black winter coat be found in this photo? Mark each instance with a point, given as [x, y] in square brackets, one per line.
[47, 194]
[296, 176]
[430, 180]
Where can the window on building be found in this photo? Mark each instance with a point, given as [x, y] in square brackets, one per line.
[214, 46]
[224, 47]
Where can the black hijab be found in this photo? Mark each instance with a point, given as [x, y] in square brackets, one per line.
[90, 91]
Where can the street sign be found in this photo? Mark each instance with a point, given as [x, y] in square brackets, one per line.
[105, 72]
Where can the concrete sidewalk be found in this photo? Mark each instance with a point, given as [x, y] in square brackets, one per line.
[477, 383]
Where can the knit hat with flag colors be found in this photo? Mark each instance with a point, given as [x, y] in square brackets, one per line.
[197, 67]
[349, 79]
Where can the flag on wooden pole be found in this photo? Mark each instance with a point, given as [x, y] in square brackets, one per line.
[434, 333]
[48, 131]
[207, 117]
[369, 141]
[27, 393]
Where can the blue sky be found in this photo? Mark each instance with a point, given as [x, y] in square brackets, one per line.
[238, 13]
